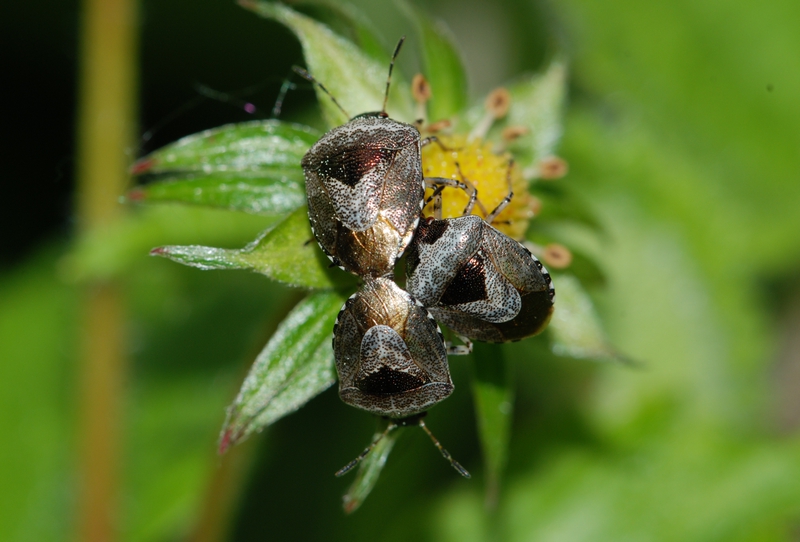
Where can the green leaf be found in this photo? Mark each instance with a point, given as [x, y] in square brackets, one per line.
[442, 64]
[252, 167]
[270, 192]
[494, 405]
[287, 253]
[369, 470]
[355, 79]
[295, 366]
[362, 30]
[245, 147]
[575, 327]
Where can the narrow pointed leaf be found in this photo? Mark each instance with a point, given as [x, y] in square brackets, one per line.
[575, 327]
[494, 405]
[246, 147]
[287, 253]
[362, 30]
[369, 471]
[295, 366]
[274, 191]
[442, 65]
[252, 167]
[356, 79]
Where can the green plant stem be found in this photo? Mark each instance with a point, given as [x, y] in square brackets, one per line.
[105, 129]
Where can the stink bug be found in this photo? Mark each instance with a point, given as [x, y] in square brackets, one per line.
[478, 281]
[391, 358]
[365, 188]
[390, 355]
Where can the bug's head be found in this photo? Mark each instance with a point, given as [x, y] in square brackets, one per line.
[372, 114]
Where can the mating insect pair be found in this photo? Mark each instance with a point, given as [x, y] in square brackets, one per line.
[365, 191]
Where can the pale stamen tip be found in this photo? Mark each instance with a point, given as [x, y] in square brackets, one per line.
[511, 133]
[557, 256]
[553, 167]
[420, 88]
[498, 102]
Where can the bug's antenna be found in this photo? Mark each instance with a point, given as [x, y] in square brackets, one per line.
[344, 470]
[308, 77]
[456, 465]
[405, 422]
[391, 67]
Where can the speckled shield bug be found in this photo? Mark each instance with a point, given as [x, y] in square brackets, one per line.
[477, 281]
[365, 188]
[390, 354]
[391, 358]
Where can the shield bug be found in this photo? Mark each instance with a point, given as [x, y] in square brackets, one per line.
[365, 188]
[390, 357]
[476, 280]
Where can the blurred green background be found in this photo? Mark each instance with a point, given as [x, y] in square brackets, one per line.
[682, 137]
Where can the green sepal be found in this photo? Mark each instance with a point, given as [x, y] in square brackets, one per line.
[575, 327]
[271, 192]
[369, 470]
[295, 366]
[361, 29]
[252, 167]
[354, 78]
[247, 146]
[442, 65]
[286, 253]
[537, 104]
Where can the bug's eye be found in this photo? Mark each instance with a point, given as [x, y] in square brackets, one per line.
[373, 115]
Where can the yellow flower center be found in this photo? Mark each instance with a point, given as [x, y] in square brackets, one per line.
[488, 172]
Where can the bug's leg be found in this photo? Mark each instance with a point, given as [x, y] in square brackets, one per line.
[433, 139]
[459, 349]
[344, 470]
[503, 204]
[473, 199]
[437, 205]
[436, 197]
[466, 186]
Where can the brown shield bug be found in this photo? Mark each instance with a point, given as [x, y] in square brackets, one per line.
[365, 188]
[478, 281]
[390, 357]
[390, 354]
